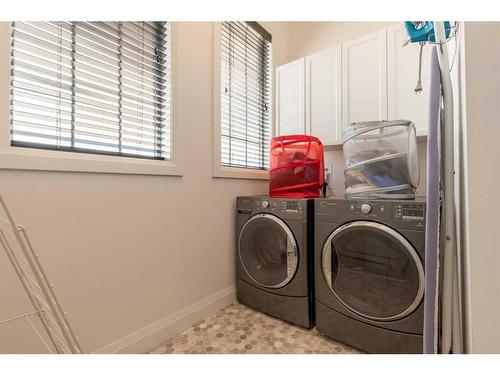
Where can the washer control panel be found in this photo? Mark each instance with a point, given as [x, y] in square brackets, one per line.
[400, 213]
[289, 208]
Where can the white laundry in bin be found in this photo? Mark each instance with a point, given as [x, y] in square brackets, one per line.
[381, 159]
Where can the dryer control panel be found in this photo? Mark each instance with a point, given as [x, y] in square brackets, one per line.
[399, 213]
[410, 211]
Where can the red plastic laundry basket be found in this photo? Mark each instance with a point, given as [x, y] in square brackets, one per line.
[296, 167]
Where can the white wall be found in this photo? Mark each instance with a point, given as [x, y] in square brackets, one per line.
[306, 38]
[482, 114]
[125, 251]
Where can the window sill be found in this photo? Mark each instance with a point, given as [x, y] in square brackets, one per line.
[240, 173]
[19, 158]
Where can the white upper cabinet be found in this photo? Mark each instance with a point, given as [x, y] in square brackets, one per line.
[364, 78]
[367, 79]
[323, 96]
[402, 77]
[289, 98]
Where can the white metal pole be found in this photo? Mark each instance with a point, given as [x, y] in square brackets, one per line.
[34, 302]
[42, 280]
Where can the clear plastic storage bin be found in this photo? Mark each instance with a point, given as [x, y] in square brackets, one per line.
[381, 159]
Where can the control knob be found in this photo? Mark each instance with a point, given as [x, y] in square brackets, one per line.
[366, 208]
[265, 204]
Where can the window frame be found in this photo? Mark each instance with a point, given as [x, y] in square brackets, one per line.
[218, 170]
[23, 158]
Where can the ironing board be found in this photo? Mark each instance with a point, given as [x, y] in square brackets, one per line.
[432, 237]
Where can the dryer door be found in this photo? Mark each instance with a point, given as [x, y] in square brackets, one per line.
[268, 251]
[373, 270]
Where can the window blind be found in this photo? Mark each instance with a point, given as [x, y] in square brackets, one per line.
[94, 87]
[245, 95]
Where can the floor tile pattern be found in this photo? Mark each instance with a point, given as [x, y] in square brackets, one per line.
[238, 329]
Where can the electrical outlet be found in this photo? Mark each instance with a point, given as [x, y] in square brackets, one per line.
[328, 175]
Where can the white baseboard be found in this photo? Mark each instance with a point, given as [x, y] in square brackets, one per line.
[155, 333]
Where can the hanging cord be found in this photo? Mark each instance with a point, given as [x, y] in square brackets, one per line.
[418, 88]
[456, 46]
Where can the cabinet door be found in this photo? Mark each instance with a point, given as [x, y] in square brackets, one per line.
[402, 77]
[290, 102]
[323, 96]
[364, 79]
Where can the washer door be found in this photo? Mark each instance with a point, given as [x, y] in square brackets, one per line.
[268, 251]
[373, 270]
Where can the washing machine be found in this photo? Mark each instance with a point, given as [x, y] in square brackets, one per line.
[274, 257]
[369, 278]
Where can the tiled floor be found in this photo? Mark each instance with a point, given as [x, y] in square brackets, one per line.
[238, 329]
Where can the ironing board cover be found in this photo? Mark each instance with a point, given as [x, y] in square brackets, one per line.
[432, 214]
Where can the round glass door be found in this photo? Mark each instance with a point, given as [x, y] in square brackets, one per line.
[373, 270]
[268, 251]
